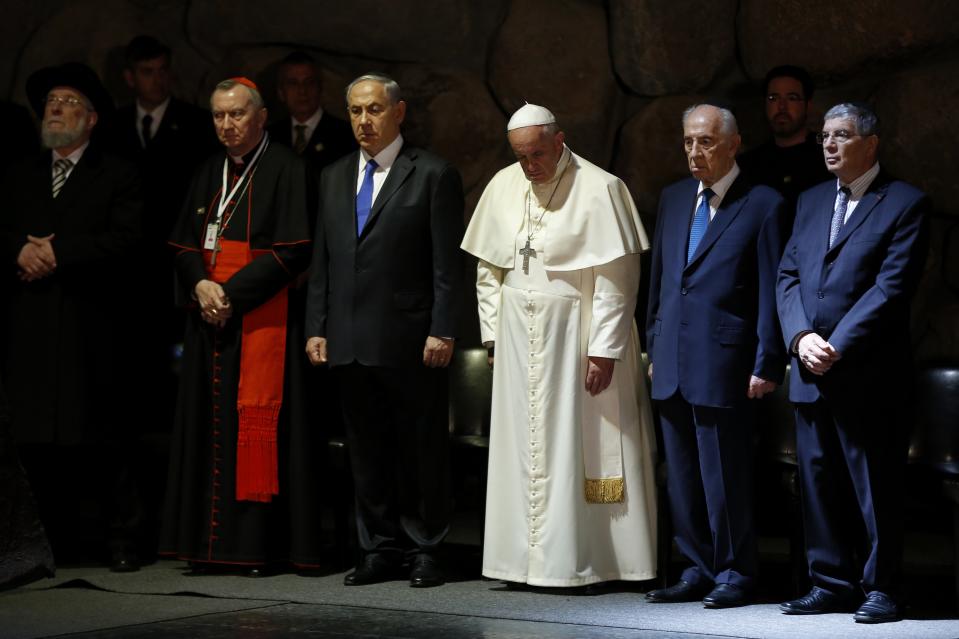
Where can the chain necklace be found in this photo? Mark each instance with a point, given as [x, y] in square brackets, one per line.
[528, 251]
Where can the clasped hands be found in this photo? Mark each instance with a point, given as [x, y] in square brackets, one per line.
[36, 259]
[215, 306]
[816, 354]
[437, 352]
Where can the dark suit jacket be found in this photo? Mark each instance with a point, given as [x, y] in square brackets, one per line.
[68, 331]
[712, 323]
[855, 295]
[184, 138]
[376, 298]
[332, 139]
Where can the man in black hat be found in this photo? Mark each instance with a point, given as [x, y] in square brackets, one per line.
[67, 230]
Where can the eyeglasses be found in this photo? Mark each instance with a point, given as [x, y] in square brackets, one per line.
[839, 137]
[71, 101]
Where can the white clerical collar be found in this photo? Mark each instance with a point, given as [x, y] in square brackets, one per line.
[386, 157]
[157, 113]
[73, 157]
[857, 188]
[721, 185]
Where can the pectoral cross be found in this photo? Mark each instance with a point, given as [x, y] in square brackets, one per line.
[216, 249]
[527, 252]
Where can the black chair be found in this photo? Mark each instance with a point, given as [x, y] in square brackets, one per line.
[470, 398]
[934, 447]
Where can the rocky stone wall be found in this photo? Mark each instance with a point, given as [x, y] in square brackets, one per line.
[617, 74]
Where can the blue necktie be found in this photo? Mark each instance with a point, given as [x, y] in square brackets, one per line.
[839, 214]
[700, 222]
[364, 199]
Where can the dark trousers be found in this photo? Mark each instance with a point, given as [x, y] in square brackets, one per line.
[398, 437]
[87, 495]
[852, 456]
[709, 464]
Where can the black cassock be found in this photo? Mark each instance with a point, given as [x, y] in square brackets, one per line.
[202, 519]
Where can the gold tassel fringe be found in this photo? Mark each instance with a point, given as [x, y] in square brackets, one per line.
[605, 491]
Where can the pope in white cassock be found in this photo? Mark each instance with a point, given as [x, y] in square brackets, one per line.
[571, 495]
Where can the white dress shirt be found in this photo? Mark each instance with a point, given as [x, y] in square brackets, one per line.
[719, 189]
[157, 115]
[384, 161]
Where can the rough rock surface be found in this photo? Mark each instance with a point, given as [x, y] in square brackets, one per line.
[556, 53]
[915, 143]
[671, 47]
[833, 40]
[446, 32]
[650, 152]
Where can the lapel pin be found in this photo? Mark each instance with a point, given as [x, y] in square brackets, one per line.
[201, 210]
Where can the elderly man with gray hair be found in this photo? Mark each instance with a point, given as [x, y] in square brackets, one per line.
[571, 498]
[847, 277]
[242, 237]
[714, 348]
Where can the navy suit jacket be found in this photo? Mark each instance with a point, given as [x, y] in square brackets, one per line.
[378, 296]
[855, 295]
[712, 323]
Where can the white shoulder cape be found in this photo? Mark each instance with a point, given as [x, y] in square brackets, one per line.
[592, 222]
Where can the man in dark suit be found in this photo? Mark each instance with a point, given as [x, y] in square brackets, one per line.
[167, 139]
[68, 231]
[313, 133]
[845, 284]
[714, 346]
[381, 311]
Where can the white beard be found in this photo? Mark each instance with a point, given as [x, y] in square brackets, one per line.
[60, 139]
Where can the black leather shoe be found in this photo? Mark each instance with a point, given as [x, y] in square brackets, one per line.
[878, 608]
[124, 561]
[818, 601]
[726, 596]
[374, 568]
[680, 592]
[426, 572]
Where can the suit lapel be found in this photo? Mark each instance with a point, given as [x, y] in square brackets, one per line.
[400, 170]
[80, 178]
[872, 197]
[729, 208]
[684, 216]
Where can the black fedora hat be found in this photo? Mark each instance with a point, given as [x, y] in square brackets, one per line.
[75, 75]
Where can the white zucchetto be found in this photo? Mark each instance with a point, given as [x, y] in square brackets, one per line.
[530, 115]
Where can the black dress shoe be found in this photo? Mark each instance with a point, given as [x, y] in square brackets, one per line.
[426, 572]
[124, 561]
[818, 601]
[680, 592]
[374, 568]
[878, 608]
[726, 596]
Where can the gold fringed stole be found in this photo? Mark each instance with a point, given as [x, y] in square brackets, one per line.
[260, 392]
[605, 491]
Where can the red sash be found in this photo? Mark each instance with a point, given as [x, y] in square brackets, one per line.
[260, 393]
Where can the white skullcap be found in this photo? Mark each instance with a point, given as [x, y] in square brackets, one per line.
[530, 115]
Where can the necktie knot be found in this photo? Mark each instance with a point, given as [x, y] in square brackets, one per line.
[60, 169]
[146, 125]
[364, 198]
[299, 142]
[700, 222]
[839, 214]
